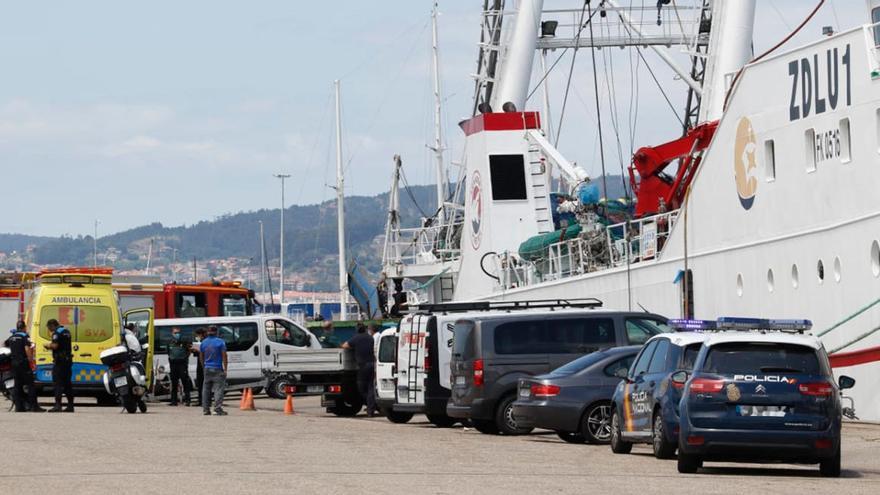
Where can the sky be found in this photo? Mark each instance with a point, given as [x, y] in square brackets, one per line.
[177, 112]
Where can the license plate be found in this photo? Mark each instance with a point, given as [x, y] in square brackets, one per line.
[762, 411]
[315, 389]
[10, 384]
[120, 381]
[524, 392]
[459, 380]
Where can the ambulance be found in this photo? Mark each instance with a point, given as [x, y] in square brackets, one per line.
[83, 301]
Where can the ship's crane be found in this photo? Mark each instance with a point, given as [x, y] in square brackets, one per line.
[646, 173]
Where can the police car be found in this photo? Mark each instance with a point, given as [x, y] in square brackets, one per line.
[763, 393]
[645, 402]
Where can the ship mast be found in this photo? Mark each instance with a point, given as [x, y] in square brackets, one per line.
[340, 210]
[438, 136]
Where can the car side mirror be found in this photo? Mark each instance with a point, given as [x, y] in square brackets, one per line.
[621, 372]
[679, 377]
[846, 382]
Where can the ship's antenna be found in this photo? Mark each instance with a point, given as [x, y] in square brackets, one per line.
[438, 123]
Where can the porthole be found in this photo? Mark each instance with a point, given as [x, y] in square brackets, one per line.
[875, 258]
[795, 276]
[771, 281]
[820, 271]
[837, 269]
[739, 284]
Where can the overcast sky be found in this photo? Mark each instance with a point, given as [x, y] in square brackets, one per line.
[134, 112]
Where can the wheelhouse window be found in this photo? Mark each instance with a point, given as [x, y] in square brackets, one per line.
[508, 174]
[875, 18]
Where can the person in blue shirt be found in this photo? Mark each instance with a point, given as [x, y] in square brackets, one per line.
[212, 355]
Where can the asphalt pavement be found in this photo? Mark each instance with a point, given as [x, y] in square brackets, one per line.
[177, 450]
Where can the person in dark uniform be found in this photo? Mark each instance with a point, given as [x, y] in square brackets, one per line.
[362, 344]
[62, 360]
[201, 333]
[178, 350]
[22, 353]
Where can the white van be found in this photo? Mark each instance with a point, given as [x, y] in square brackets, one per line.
[386, 372]
[423, 381]
[251, 342]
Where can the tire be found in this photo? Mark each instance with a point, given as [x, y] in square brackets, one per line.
[596, 423]
[618, 444]
[259, 390]
[504, 419]
[485, 426]
[569, 437]
[276, 389]
[346, 408]
[130, 403]
[397, 417]
[688, 464]
[440, 420]
[830, 468]
[663, 448]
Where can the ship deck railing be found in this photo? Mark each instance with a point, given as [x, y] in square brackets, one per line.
[425, 245]
[636, 241]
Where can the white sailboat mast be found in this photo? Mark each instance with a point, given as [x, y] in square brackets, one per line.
[516, 69]
[340, 210]
[438, 123]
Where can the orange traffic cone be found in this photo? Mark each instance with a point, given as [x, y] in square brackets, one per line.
[243, 401]
[288, 404]
[248, 401]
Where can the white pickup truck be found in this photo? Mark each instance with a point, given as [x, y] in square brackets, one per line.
[332, 373]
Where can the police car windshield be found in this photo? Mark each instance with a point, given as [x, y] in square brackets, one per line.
[752, 357]
[579, 364]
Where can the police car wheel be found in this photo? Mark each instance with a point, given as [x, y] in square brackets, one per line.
[663, 448]
[688, 464]
[569, 437]
[830, 468]
[618, 445]
[596, 423]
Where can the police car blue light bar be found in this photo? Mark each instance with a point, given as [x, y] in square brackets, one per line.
[692, 325]
[735, 323]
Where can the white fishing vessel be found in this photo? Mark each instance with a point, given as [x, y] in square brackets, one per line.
[769, 208]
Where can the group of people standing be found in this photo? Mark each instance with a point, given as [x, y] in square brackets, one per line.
[211, 366]
[22, 359]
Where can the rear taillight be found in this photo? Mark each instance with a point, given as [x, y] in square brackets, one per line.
[334, 389]
[823, 443]
[545, 390]
[816, 389]
[117, 367]
[706, 386]
[427, 363]
[478, 372]
[695, 440]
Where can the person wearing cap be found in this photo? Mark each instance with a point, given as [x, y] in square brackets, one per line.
[62, 364]
[22, 353]
[212, 354]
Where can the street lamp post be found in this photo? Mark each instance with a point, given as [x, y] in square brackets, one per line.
[281, 262]
[95, 241]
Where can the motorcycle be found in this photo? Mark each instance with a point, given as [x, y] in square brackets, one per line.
[7, 380]
[125, 378]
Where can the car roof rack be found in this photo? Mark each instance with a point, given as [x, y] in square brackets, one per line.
[730, 323]
[461, 307]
